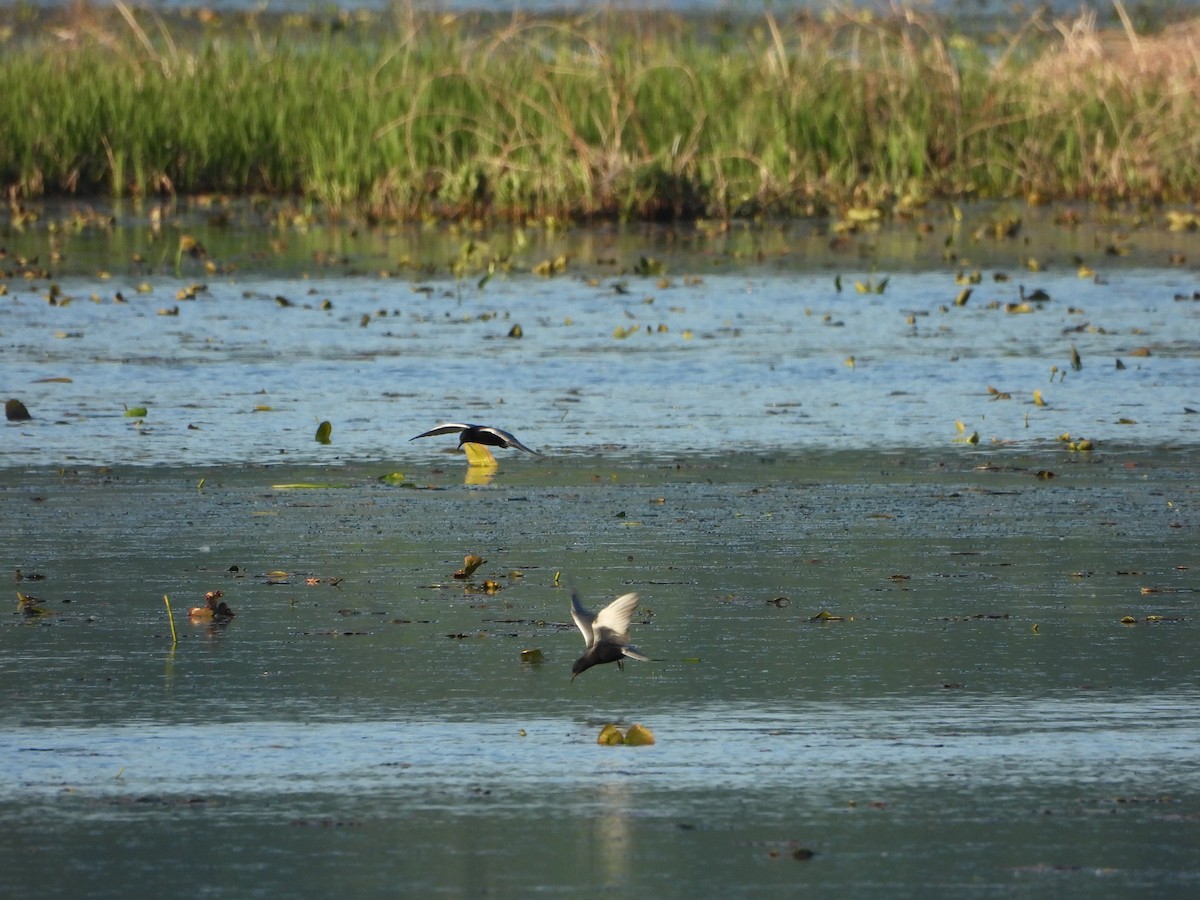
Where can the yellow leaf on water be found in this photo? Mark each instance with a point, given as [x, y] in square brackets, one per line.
[480, 456]
[826, 616]
[471, 562]
[324, 432]
[1037, 398]
[639, 736]
[610, 735]
[30, 606]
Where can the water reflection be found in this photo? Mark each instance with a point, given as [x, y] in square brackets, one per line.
[610, 844]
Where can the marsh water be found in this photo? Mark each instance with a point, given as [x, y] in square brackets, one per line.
[904, 640]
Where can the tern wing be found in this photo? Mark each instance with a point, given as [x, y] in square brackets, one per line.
[583, 619]
[634, 653]
[617, 614]
[509, 439]
[444, 428]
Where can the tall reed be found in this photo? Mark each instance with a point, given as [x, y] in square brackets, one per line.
[612, 115]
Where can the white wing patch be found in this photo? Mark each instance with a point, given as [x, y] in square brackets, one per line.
[615, 617]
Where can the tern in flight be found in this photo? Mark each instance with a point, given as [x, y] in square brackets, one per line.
[477, 434]
[606, 633]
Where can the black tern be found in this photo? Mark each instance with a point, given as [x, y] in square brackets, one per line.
[606, 633]
[477, 434]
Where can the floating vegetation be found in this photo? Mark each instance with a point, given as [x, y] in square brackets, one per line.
[963, 437]
[30, 606]
[471, 562]
[15, 411]
[871, 286]
[214, 610]
[615, 114]
[1076, 445]
[324, 432]
[305, 486]
[479, 456]
[826, 616]
[637, 736]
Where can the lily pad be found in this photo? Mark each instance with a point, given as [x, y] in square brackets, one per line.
[15, 411]
[610, 735]
[471, 562]
[480, 456]
[639, 736]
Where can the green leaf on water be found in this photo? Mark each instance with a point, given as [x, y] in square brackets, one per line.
[648, 265]
[826, 616]
[135, 412]
[304, 486]
[324, 430]
[392, 478]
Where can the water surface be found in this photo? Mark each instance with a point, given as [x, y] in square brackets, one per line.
[1002, 696]
[977, 719]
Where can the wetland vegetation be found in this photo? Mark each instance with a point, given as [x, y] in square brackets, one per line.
[404, 115]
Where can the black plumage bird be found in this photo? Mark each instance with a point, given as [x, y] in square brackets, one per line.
[477, 434]
[606, 633]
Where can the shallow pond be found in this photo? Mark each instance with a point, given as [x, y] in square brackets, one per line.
[711, 352]
[972, 717]
[975, 717]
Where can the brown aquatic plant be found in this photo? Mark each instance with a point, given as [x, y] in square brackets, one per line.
[214, 610]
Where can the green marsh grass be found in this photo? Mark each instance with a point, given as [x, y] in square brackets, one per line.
[403, 116]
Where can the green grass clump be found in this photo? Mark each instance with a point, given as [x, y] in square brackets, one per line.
[400, 116]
